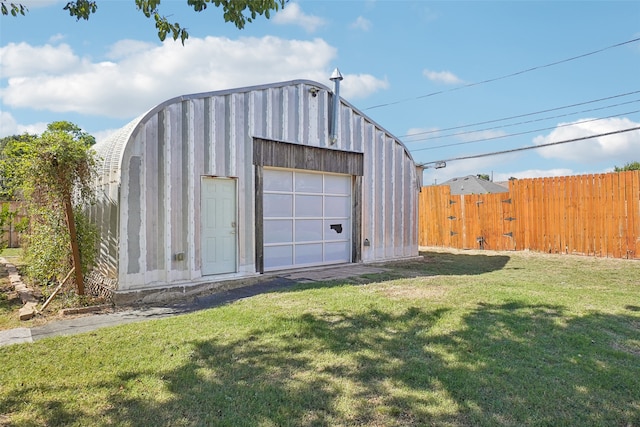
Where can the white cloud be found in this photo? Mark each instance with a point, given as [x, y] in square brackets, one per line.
[614, 148]
[433, 134]
[21, 60]
[361, 23]
[361, 85]
[140, 75]
[9, 126]
[419, 134]
[126, 48]
[56, 38]
[446, 77]
[292, 14]
[103, 134]
[480, 135]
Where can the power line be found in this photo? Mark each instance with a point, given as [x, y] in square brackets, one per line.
[523, 115]
[430, 138]
[531, 147]
[524, 133]
[517, 73]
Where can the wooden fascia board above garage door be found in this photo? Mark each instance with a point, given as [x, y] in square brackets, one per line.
[297, 156]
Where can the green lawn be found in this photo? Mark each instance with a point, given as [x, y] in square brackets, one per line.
[459, 339]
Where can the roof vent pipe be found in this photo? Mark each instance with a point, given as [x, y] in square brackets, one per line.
[336, 77]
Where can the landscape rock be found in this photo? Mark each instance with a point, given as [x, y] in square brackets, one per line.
[28, 311]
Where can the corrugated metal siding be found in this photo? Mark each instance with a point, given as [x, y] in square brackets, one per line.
[171, 147]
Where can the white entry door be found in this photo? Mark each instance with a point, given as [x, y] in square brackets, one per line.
[307, 218]
[219, 228]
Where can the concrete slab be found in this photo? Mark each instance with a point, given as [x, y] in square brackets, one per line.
[15, 336]
[333, 273]
[92, 322]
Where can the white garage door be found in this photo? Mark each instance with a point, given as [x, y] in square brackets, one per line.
[307, 218]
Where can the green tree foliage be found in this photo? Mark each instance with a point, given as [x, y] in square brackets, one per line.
[238, 12]
[55, 174]
[11, 8]
[57, 163]
[12, 151]
[484, 176]
[631, 166]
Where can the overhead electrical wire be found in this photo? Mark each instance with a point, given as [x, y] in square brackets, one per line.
[430, 138]
[531, 147]
[523, 133]
[522, 115]
[517, 73]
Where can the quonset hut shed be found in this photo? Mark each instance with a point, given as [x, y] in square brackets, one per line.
[224, 185]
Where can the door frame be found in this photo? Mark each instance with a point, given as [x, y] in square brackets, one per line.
[286, 155]
[204, 178]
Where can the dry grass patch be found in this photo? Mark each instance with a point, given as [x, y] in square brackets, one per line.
[419, 288]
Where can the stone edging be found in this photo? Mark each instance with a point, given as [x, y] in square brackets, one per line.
[25, 293]
[84, 310]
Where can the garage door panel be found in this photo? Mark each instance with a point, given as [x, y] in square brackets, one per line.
[337, 230]
[279, 180]
[308, 182]
[278, 256]
[337, 206]
[306, 218]
[337, 252]
[309, 254]
[336, 184]
[308, 230]
[278, 231]
[308, 205]
[278, 205]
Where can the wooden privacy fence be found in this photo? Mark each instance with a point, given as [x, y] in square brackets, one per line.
[9, 236]
[586, 214]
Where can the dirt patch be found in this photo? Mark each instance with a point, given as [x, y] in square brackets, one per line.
[412, 290]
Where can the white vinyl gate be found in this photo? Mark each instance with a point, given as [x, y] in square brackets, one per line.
[307, 218]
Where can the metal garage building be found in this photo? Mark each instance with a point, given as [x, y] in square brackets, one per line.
[224, 185]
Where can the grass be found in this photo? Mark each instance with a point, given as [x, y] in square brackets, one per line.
[459, 339]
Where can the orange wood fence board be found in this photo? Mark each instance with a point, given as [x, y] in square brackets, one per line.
[586, 214]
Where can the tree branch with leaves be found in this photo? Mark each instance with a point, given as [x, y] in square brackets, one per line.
[631, 166]
[237, 12]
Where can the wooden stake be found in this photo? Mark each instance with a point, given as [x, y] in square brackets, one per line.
[46, 303]
[75, 250]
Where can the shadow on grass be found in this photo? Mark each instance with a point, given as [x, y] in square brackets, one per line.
[453, 264]
[431, 264]
[510, 364]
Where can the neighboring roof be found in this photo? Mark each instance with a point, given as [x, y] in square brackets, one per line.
[471, 184]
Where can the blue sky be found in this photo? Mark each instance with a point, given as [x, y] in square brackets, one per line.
[415, 67]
